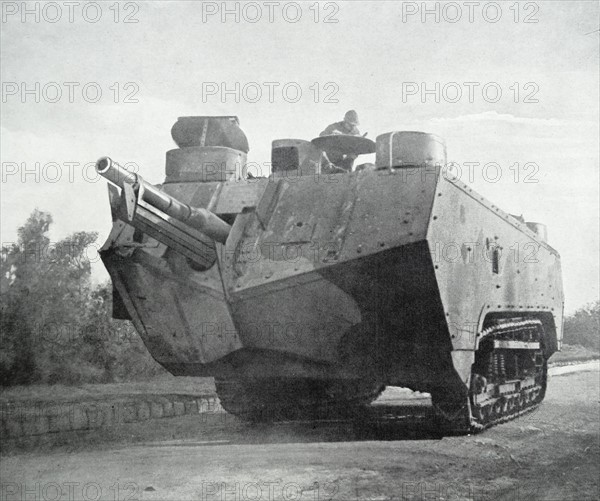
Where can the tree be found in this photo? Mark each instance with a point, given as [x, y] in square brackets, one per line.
[583, 327]
[19, 268]
[45, 287]
[55, 326]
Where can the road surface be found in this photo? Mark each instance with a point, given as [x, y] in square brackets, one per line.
[551, 454]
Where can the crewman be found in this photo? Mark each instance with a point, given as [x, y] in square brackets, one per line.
[336, 161]
[348, 126]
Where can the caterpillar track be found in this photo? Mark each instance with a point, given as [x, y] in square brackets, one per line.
[265, 400]
[509, 374]
[508, 380]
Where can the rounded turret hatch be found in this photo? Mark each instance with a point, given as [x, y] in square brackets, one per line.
[409, 149]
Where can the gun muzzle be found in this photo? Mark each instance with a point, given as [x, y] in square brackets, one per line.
[200, 219]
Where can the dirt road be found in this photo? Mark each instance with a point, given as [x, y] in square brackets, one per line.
[552, 454]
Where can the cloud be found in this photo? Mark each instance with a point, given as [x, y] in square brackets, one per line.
[494, 116]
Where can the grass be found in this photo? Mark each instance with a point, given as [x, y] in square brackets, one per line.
[573, 353]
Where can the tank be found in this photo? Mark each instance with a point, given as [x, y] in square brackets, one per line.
[305, 294]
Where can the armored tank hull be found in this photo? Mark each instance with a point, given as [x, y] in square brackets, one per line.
[324, 289]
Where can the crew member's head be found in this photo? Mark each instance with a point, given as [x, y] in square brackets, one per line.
[351, 118]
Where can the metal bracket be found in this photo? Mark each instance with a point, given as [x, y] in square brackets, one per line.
[130, 200]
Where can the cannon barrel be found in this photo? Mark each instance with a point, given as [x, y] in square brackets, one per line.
[198, 218]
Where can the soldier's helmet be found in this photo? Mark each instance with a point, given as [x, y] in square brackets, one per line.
[351, 117]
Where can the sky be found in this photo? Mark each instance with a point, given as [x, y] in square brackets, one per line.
[512, 87]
